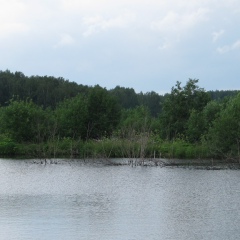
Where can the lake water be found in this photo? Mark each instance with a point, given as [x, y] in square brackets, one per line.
[73, 200]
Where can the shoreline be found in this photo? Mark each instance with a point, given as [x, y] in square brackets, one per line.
[205, 164]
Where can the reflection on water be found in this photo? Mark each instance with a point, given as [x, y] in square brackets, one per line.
[72, 200]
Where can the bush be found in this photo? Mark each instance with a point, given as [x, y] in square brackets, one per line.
[7, 146]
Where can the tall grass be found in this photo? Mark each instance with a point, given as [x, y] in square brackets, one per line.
[104, 148]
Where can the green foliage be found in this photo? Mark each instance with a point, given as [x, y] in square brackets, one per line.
[199, 122]
[152, 101]
[195, 126]
[23, 121]
[49, 91]
[136, 120]
[7, 146]
[178, 107]
[219, 95]
[105, 148]
[127, 98]
[72, 117]
[103, 113]
[47, 116]
[182, 149]
[211, 112]
[224, 135]
[44, 91]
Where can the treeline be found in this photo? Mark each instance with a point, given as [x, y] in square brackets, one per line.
[190, 115]
[50, 117]
[47, 91]
[50, 91]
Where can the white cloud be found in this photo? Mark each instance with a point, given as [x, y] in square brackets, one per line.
[104, 5]
[217, 35]
[66, 40]
[228, 48]
[175, 25]
[176, 22]
[98, 23]
[11, 21]
[7, 29]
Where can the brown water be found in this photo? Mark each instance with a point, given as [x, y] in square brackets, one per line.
[73, 200]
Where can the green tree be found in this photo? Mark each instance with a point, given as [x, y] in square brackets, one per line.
[224, 135]
[153, 101]
[199, 122]
[71, 117]
[44, 91]
[178, 106]
[23, 121]
[126, 97]
[103, 113]
[195, 126]
[135, 129]
[137, 120]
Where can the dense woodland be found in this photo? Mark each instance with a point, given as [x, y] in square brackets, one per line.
[42, 116]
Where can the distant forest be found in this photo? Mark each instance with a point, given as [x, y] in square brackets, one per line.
[48, 91]
[46, 116]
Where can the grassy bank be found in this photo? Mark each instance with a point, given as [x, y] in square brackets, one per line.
[105, 148]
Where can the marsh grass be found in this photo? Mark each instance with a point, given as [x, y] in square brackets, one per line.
[105, 148]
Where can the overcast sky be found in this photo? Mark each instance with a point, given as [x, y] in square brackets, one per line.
[147, 45]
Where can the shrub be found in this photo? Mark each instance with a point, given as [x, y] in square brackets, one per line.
[7, 146]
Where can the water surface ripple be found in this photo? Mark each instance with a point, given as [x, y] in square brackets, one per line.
[73, 200]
